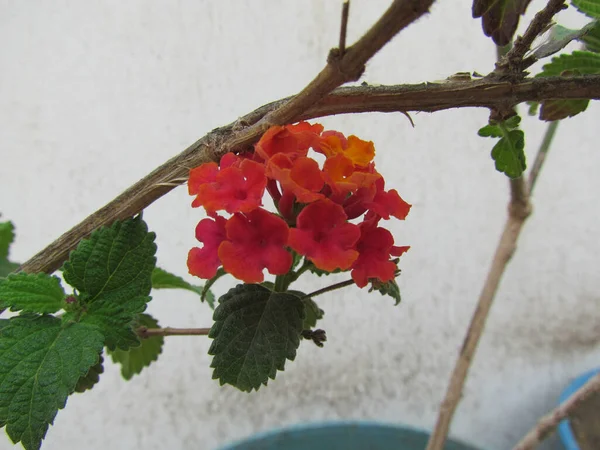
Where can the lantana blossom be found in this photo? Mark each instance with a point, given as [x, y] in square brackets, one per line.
[204, 262]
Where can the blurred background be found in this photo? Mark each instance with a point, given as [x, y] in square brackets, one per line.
[95, 94]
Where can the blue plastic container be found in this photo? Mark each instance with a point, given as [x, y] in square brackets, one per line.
[343, 436]
[564, 428]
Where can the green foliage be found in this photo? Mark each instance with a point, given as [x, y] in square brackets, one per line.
[576, 63]
[161, 279]
[136, 358]
[115, 263]
[508, 153]
[7, 236]
[207, 293]
[592, 38]
[312, 313]
[590, 8]
[390, 288]
[500, 18]
[36, 293]
[558, 38]
[255, 331]
[41, 360]
[90, 379]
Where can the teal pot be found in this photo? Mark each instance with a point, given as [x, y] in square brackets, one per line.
[343, 436]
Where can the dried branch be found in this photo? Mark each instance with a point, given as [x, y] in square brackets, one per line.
[547, 424]
[519, 210]
[427, 97]
[339, 69]
[344, 26]
[514, 63]
[145, 332]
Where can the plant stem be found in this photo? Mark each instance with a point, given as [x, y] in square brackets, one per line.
[281, 283]
[547, 424]
[541, 154]
[333, 287]
[145, 333]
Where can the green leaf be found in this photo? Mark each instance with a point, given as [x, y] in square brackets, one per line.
[500, 18]
[508, 153]
[590, 8]
[312, 313]
[592, 38]
[41, 361]
[37, 293]
[7, 236]
[116, 321]
[90, 379]
[255, 331]
[115, 263]
[390, 288]
[136, 358]
[576, 63]
[161, 279]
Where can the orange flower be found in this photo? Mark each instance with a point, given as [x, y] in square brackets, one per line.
[291, 140]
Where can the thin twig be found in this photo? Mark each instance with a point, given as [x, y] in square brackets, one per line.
[427, 97]
[344, 26]
[333, 287]
[513, 63]
[340, 69]
[547, 424]
[541, 154]
[145, 333]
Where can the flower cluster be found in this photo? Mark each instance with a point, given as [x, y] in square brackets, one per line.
[315, 205]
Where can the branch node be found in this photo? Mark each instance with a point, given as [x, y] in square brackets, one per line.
[335, 60]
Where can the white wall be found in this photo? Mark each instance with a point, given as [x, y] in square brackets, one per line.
[95, 94]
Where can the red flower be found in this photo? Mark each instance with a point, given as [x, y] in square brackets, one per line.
[386, 204]
[256, 241]
[374, 247]
[238, 186]
[291, 140]
[324, 236]
[204, 262]
[302, 176]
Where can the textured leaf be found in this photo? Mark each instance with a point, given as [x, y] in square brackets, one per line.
[161, 279]
[41, 361]
[500, 18]
[7, 236]
[115, 320]
[390, 288]
[508, 153]
[136, 358]
[38, 293]
[90, 379]
[115, 263]
[592, 38]
[576, 63]
[255, 331]
[590, 8]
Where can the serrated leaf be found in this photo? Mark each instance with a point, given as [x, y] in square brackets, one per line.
[41, 361]
[7, 236]
[500, 18]
[161, 279]
[508, 153]
[89, 380]
[136, 358]
[592, 38]
[390, 288]
[590, 8]
[116, 321]
[37, 293]
[576, 63]
[255, 331]
[115, 263]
